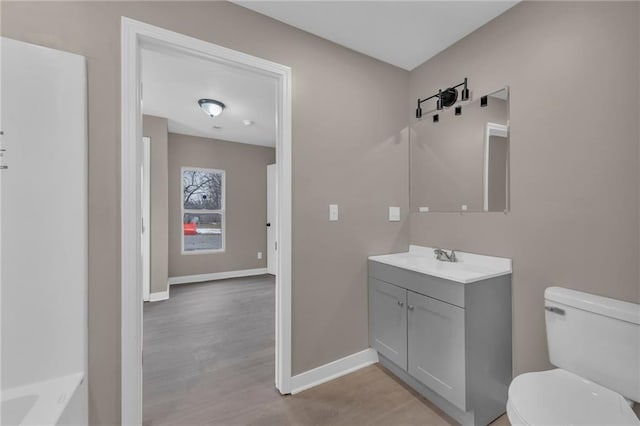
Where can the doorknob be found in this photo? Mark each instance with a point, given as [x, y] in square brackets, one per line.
[268, 224]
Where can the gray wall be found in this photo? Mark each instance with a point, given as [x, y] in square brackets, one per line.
[574, 154]
[156, 129]
[348, 153]
[245, 169]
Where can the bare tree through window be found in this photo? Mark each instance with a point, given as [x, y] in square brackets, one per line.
[202, 209]
[202, 190]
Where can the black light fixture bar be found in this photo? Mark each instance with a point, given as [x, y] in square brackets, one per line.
[445, 98]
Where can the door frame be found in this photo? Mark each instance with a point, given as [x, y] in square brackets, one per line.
[134, 35]
[146, 218]
[492, 129]
[272, 251]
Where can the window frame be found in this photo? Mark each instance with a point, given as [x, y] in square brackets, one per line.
[222, 211]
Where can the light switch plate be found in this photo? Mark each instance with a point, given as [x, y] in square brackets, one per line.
[259, 255]
[394, 214]
[333, 212]
[423, 209]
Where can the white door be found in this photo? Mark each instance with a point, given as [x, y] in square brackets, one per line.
[43, 263]
[272, 205]
[146, 218]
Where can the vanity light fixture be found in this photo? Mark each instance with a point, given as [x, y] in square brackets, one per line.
[446, 97]
[212, 107]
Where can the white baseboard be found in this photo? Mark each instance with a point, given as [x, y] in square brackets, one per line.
[186, 279]
[333, 370]
[158, 296]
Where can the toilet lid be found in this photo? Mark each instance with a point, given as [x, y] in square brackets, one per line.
[559, 397]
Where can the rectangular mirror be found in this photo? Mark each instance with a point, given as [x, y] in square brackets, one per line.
[459, 157]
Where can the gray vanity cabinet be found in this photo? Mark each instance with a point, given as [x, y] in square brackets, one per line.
[450, 341]
[435, 338]
[388, 331]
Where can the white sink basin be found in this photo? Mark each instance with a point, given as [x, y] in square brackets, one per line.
[469, 267]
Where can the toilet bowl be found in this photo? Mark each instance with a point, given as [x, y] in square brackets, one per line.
[559, 397]
[595, 342]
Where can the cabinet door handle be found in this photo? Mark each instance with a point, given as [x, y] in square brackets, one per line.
[401, 304]
[410, 307]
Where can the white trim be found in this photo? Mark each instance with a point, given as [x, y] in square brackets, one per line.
[272, 213]
[146, 218]
[158, 296]
[187, 279]
[221, 212]
[135, 33]
[131, 294]
[492, 129]
[333, 370]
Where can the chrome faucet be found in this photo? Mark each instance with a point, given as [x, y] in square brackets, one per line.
[444, 256]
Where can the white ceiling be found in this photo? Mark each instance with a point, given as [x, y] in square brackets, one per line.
[402, 33]
[172, 85]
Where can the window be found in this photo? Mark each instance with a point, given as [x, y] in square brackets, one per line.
[202, 210]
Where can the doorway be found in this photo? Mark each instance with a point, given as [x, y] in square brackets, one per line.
[136, 35]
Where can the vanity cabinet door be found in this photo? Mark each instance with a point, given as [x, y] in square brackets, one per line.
[436, 346]
[388, 321]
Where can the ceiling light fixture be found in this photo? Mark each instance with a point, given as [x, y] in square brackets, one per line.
[212, 107]
[446, 97]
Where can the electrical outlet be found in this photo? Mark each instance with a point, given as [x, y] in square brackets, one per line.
[259, 255]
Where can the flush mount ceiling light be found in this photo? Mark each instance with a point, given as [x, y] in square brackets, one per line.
[212, 107]
[446, 97]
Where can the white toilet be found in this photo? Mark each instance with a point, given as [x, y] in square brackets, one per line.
[595, 342]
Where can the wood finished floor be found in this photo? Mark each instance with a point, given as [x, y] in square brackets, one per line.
[209, 360]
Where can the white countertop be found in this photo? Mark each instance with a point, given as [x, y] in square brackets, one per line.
[469, 267]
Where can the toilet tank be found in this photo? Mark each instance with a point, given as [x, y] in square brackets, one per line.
[595, 337]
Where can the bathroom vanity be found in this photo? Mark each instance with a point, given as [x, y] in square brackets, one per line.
[444, 328]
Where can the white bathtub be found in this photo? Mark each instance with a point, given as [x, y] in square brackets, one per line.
[40, 403]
